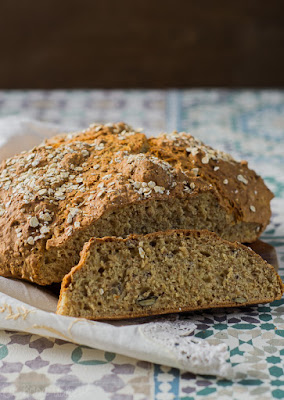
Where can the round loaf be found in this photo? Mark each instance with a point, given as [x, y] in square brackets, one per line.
[110, 180]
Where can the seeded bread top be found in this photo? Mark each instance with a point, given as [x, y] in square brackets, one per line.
[62, 185]
[239, 189]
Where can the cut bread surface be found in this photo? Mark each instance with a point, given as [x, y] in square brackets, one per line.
[165, 272]
[202, 211]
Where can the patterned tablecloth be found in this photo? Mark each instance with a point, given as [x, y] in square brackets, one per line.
[248, 124]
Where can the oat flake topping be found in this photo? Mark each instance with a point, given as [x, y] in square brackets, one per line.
[66, 182]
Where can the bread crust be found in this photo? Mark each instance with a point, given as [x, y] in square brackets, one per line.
[53, 193]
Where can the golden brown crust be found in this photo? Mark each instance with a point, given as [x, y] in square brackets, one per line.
[215, 240]
[238, 188]
[57, 190]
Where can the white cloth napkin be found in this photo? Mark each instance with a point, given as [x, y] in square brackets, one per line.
[25, 307]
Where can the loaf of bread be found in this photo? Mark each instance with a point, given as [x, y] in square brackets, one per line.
[112, 181]
[165, 272]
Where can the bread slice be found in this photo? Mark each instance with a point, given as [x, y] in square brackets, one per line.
[113, 181]
[165, 272]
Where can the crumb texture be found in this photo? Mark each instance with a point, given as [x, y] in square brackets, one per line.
[110, 180]
[165, 272]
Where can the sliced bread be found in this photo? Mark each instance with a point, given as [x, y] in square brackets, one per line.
[165, 272]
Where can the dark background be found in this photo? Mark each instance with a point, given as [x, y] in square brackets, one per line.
[152, 44]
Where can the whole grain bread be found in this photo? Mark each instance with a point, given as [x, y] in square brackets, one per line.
[112, 181]
[165, 272]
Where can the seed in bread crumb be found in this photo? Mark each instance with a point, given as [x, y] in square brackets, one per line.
[225, 181]
[141, 251]
[42, 192]
[159, 189]
[240, 300]
[101, 291]
[192, 185]
[195, 171]
[69, 231]
[34, 222]
[137, 185]
[242, 179]
[205, 160]
[30, 156]
[100, 193]
[106, 177]
[192, 150]
[252, 208]
[44, 229]
[59, 195]
[216, 168]
[147, 302]
[45, 216]
[30, 240]
[99, 147]
[186, 189]
[151, 184]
